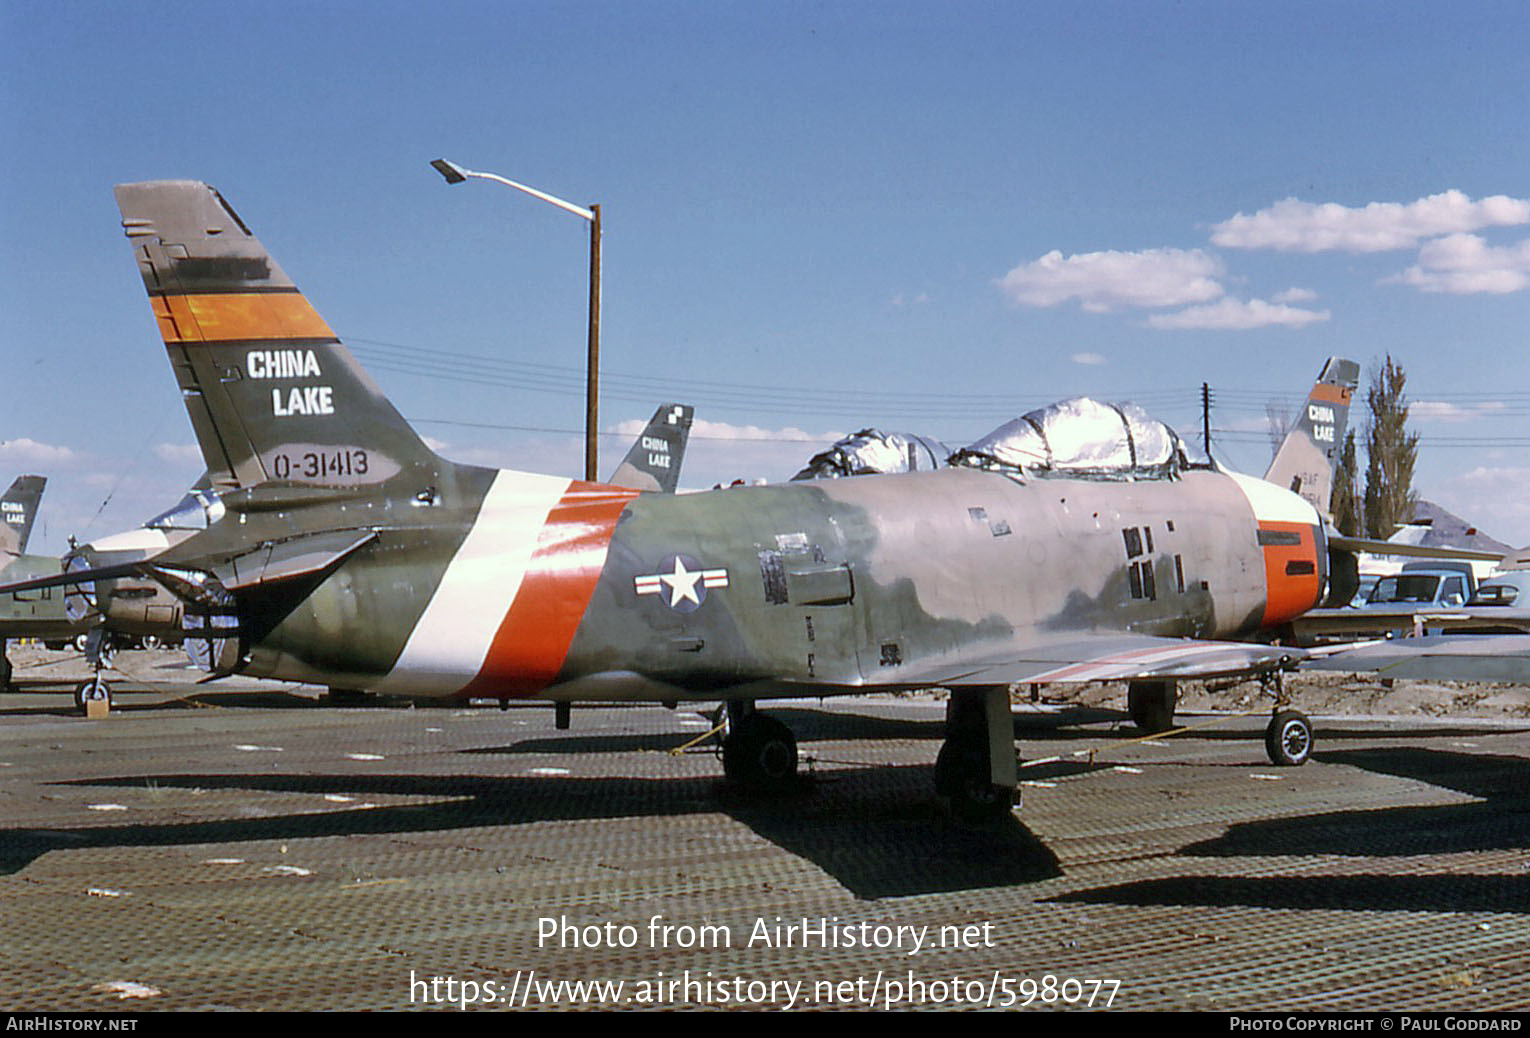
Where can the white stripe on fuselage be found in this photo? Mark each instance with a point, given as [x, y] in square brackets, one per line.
[448, 646]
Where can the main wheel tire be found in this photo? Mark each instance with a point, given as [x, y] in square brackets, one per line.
[963, 778]
[1288, 739]
[760, 753]
[1151, 705]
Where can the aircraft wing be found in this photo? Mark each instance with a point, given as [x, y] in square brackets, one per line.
[1452, 657]
[1082, 658]
[1373, 547]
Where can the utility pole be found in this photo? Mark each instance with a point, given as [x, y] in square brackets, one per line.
[455, 174]
[1206, 417]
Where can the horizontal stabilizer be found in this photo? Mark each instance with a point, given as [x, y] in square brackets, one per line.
[301, 557]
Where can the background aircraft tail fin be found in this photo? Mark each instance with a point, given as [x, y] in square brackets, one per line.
[1307, 457]
[272, 393]
[653, 463]
[18, 510]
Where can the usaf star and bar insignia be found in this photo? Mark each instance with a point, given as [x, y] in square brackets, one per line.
[681, 583]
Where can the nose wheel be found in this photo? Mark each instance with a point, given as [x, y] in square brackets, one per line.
[1288, 739]
[96, 690]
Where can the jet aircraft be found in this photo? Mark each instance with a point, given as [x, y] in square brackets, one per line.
[128, 605]
[1086, 542]
[38, 612]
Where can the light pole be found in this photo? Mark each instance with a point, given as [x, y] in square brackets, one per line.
[455, 174]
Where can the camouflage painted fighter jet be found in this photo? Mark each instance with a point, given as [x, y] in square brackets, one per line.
[1085, 544]
[38, 612]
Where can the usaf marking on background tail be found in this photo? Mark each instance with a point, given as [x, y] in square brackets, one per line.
[1083, 542]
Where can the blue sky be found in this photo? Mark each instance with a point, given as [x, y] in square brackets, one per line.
[818, 217]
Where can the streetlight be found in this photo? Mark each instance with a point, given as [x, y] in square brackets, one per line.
[455, 174]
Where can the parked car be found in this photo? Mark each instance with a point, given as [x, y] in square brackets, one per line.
[1511, 588]
[1441, 587]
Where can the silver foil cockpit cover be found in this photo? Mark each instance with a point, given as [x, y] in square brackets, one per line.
[871, 452]
[1080, 437]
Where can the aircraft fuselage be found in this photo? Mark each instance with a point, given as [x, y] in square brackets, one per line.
[569, 590]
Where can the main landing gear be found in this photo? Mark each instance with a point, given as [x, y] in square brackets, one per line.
[976, 771]
[759, 752]
[1151, 705]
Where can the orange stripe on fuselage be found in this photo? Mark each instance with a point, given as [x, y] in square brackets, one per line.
[1288, 595]
[533, 640]
[238, 317]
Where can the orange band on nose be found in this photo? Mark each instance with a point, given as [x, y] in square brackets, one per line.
[1293, 580]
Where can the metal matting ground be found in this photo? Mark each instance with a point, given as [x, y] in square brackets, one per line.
[264, 851]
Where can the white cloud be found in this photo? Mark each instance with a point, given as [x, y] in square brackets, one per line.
[1295, 226]
[701, 429]
[1496, 499]
[1462, 264]
[1237, 315]
[1103, 281]
[26, 451]
[178, 452]
[1294, 295]
[1092, 359]
[1440, 411]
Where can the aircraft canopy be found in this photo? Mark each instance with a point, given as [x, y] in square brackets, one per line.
[1083, 437]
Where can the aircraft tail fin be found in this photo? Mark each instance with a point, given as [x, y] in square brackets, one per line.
[18, 510]
[653, 463]
[272, 393]
[1309, 454]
